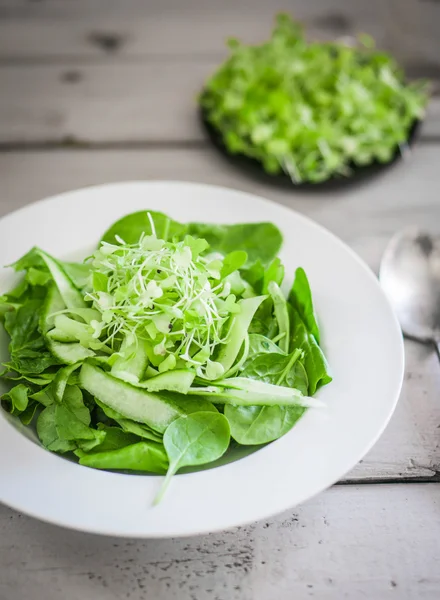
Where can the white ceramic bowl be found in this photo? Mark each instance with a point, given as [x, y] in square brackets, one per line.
[360, 335]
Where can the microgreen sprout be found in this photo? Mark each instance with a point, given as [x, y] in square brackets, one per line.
[311, 110]
[167, 293]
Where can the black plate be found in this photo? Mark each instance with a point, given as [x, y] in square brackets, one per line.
[255, 169]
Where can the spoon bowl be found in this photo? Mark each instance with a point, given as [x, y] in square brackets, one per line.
[410, 277]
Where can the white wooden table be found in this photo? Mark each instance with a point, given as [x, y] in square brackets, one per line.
[93, 91]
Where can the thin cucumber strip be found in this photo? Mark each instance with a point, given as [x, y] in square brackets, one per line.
[241, 391]
[238, 331]
[53, 304]
[131, 369]
[68, 354]
[179, 380]
[71, 296]
[131, 402]
[281, 315]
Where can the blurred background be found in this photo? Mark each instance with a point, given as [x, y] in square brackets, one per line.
[110, 71]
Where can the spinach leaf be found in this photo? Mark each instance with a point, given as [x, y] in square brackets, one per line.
[142, 456]
[254, 275]
[270, 367]
[260, 344]
[261, 241]
[254, 425]
[196, 439]
[262, 424]
[132, 226]
[300, 298]
[315, 362]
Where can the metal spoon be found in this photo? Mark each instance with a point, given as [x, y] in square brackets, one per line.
[410, 277]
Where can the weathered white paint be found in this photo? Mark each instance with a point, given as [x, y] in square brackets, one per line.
[354, 542]
[52, 30]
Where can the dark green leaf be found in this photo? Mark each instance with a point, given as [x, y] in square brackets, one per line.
[27, 416]
[315, 362]
[261, 241]
[196, 439]
[300, 298]
[232, 262]
[275, 273]
[132, 226]
[261, 424]
[17, 397]
[143, 456]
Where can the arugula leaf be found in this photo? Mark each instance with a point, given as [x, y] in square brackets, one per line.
[196, 439]
[17, 398]
[300, 298]
[64, 426]
[27, 416]
[31, 259]
[27, 347]
[261, 241]
[132, 226]
[48, 433]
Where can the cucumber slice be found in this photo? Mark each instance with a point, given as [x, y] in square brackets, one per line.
[71, 296]
[133, 368]
[179, 380]
[237, 331]
[131, 402]
[68, 354]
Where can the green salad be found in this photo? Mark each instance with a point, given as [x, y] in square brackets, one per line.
[169, 345]
[312, 110]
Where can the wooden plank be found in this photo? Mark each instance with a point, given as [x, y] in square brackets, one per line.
[354, 542]
[52, 30]
[109, 103]
[365, 217]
